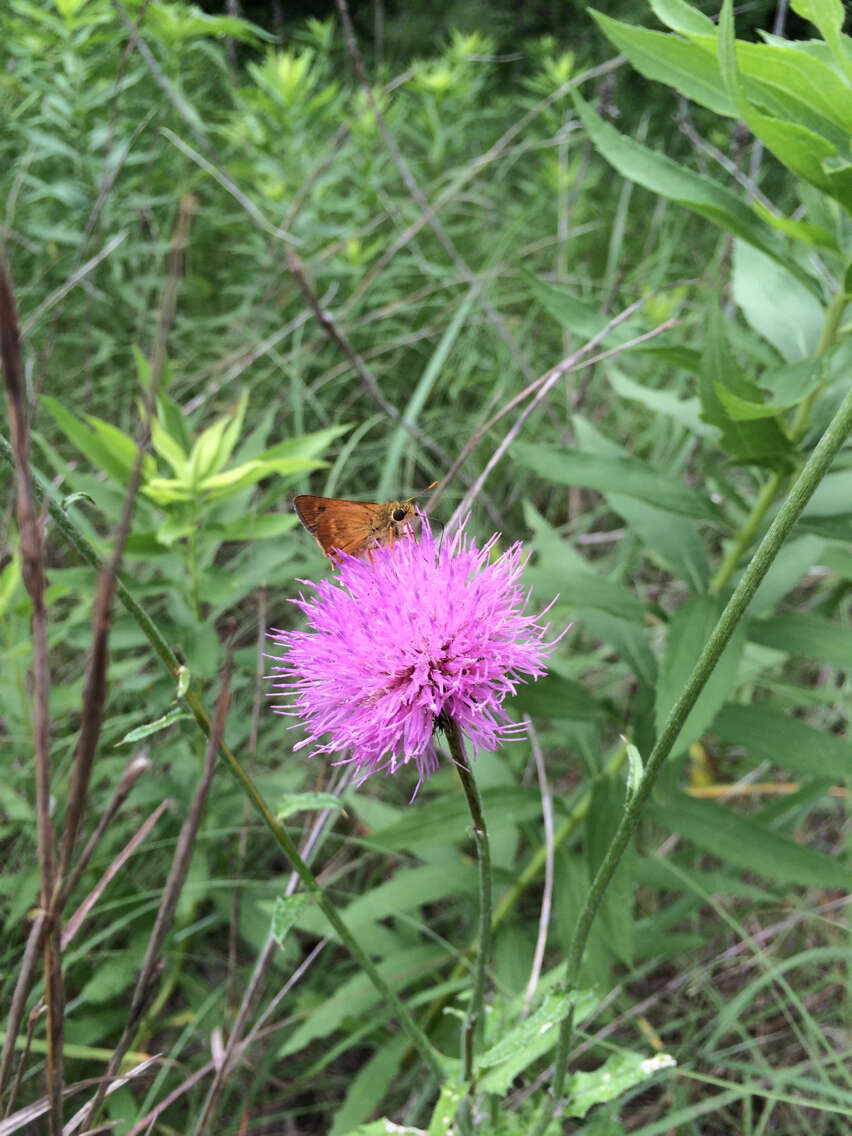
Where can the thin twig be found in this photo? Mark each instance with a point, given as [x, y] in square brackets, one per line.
[547, 891]
[417, 194]
[230, 187]
[334, 333]
[32, 571]
[83, 911]
[236, 1045]
[26, 1117]
[572, 362]
[175, 99]
[137, 765]
[18, 1005]
[146, 982]
[242, 841]
[59, 294]
[94, 690]
[544, 386]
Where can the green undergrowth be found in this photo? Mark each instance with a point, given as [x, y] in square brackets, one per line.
[641, 484]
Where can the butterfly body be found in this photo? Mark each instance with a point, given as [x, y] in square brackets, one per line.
[353, 527]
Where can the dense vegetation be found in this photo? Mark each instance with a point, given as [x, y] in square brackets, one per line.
[600, 296]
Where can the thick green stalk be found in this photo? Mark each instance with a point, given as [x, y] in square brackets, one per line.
[483, 855]
[799, 495]
[194, 705]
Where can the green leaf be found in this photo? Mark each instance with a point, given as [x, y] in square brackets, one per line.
[668, 59]
[833, 495]
[790, 82]
[167, 491]
[776, 304]
[369, 1085]
[811, 636]
[620, 1072]
[446, 819]
[162, 723]
[580, 318]
[112, 977]
[91, 444]
[253, 526]
[685, 411]
[688, 631]
[174, 23]
[672, 541]
[800, 231]
[533, 1037]
[828, 16]
[208, 455]
[791, 564]
[614, 475]
[750, 845]
[671, 180]
[10, 579]
[579, 587]
[616, 912]
[169, 450]
[301, 802]
[224, 484]
[557, 698]
[838, 559]
[627, 638]
[173, 420]
[803, 150]
[305, 445]
[354, 999]
[123, 448]
[785, 742]
[657, 871]
[789, 384]
[446, 1107]
[287, 910]
[682, 17]
[760, 442]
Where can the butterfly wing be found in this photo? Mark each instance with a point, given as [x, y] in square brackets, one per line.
[338, 525]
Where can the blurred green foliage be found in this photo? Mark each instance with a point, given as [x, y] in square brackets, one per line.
[642, 484]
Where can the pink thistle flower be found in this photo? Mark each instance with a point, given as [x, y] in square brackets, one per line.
[397, 643]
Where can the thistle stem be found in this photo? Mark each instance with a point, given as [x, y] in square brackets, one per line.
[483, 854]
[800, 493]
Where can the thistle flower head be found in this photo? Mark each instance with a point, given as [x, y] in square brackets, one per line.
[419, 632]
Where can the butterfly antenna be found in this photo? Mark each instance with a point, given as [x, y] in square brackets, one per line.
[421, 492]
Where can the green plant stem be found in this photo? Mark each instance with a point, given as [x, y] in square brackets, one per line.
[483, 853]
[747, 533]
[799, 425]
[814, 470]
[193, 563]
[194, 705]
